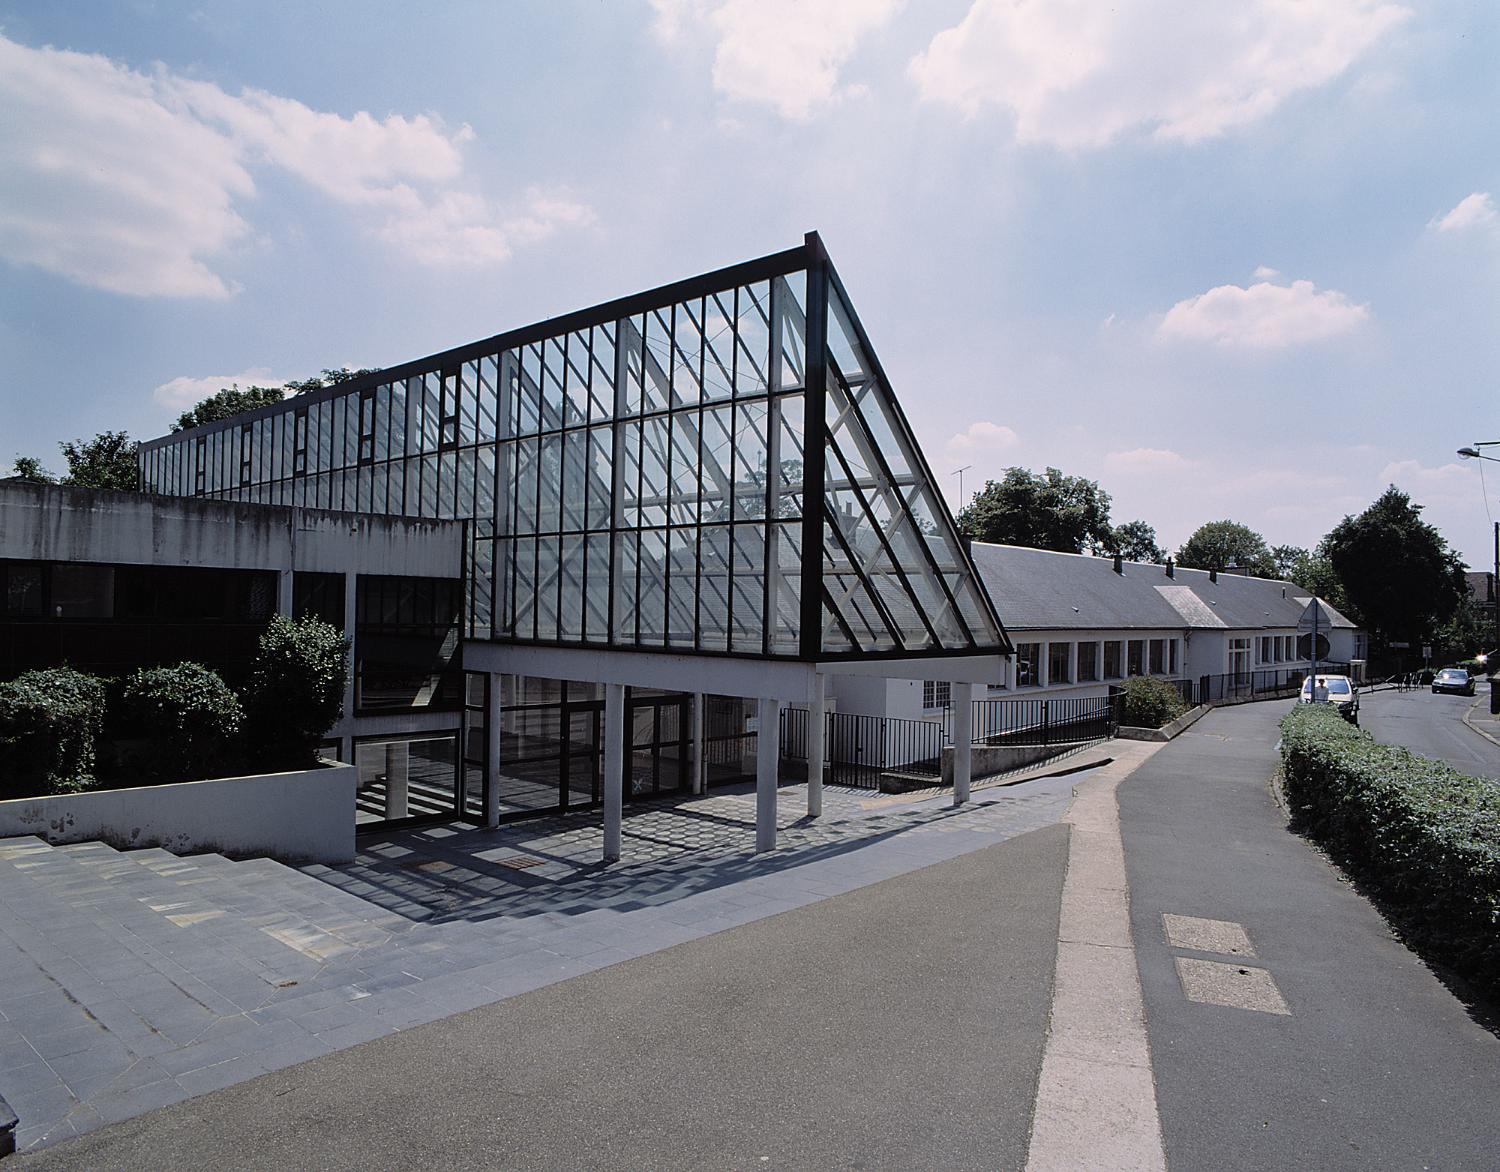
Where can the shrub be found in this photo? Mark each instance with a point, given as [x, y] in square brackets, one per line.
[1150, 703]
[49, 722]
[295, 691]
[1422, 836]
[187, 715]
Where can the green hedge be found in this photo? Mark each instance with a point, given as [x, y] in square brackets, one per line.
[295, 692]
[1422, 836]
[1150, 703]
[187, 716]
[49, 722]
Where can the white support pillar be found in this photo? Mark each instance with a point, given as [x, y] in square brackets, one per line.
[284, 592]
[397, 762]
[492, 752]
[699, 775]
[351, 600]
[963, 740]
[767, 763]
[614, 769]
[816, 722]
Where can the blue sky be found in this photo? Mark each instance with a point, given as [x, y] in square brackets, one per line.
[1229, 260]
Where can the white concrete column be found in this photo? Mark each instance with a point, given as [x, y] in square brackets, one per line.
[492, 752]
[767, 765]
[699, 776]
[397, 760]
[284, 592]
[816, 723]
[351, 598]
[614, 769]
[963, 741]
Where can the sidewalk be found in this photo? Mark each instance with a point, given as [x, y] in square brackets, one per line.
[1313, 1040]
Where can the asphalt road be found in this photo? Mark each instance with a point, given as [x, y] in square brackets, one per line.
[897, 1026]
[1376, 1066]
[1432, 726]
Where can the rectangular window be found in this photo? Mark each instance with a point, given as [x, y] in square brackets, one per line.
[1135, 657]
[201, 465]
[247, 454]
[299, 444]
[1112, 659]
[1058, 667]
[1172, 656]
[936, 693]
[1158, 656]
[1028, 656]
[1088, 662]
[366, 427]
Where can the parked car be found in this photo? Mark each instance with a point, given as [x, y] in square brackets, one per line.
[1340, 691]
[1453, 679]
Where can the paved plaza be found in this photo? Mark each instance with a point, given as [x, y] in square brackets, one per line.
[131, 980]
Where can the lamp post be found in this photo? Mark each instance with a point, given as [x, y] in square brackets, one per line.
[1473, 453]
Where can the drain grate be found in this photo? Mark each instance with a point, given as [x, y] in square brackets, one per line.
[519, 862]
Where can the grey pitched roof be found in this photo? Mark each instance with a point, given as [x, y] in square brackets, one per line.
[1041, 589]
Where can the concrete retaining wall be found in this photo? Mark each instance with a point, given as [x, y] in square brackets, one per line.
[306, 816]
[988, 760]
[1167, 731]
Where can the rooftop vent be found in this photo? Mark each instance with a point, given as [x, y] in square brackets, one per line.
[1213, 575]
[1170, 569]
[1119, 564]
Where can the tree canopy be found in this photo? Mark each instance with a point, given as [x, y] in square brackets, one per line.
[30, 468]
[1135, 541]
[106, 461]
[1400, 579]
[1218, 544]
[1047, 511]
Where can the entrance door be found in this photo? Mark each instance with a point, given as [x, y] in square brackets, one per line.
[657, 760]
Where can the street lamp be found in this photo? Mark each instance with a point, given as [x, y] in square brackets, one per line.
[1473, 453]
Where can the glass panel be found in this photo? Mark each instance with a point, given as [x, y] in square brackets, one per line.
[748, 614]
[753, 339]
[682, 587]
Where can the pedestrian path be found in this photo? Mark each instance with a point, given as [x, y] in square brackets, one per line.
[129, 980]
[1287, 1026]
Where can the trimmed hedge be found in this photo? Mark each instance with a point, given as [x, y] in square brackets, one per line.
[1150, 703]
[49, 721]
[1421, 835]
[296, 691]
[187, 715]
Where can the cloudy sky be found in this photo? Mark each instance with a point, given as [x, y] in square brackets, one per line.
[1231, 260]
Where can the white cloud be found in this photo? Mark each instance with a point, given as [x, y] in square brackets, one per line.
[1448, 483]
[1076, 74]
[1473, 211]
[1150, 460]
[1265, 273]
[138, 183]
[983, 436]
[184, 391]
[1262, 317]
[785, 53]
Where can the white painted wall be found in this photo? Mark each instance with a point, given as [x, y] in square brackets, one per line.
[307, 816]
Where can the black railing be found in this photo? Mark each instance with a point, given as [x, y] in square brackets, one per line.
[1260, 684]
[1053, 721]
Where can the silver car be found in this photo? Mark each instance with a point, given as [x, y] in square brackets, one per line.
[1340, 691]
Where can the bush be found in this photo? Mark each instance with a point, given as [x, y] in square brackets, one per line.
[187, 715]
[1422, 836]
[1150, 703]
[49, 722]
[295, 692]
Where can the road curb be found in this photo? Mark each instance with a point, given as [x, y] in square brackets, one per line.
[1474, 727]
[8, 1123]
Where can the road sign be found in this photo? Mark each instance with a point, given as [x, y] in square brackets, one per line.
[1426, 651]
[1311, 619]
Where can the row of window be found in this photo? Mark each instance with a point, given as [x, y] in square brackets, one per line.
[1085, 662]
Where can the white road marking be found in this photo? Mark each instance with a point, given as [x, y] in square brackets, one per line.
[1222, 936]
[1096, 1097]
[1237, 986]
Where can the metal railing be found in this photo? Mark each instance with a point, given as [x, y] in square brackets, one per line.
[1053, 721]
[1244, 686]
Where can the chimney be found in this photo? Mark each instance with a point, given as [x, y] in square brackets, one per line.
[1170, 568]
[1213, 575]
[1119, 564]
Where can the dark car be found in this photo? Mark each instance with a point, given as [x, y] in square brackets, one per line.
[1453, 679]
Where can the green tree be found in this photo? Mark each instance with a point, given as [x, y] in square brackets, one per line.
[30, 468]
[1401, 581]
[106, 461]
[1049, 511]
[1135, 541]
[226, 402]
[1314, 572]
[295, 691]
[1286, 559]
[1226, 543]
[328, 378]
